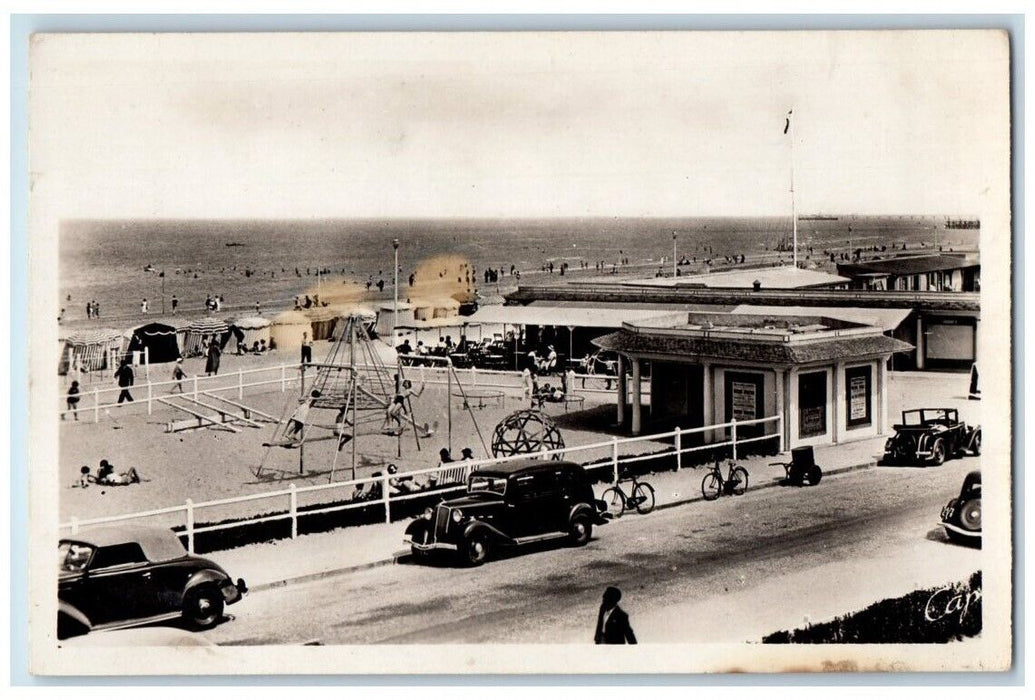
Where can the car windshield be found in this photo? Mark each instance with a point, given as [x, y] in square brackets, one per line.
[912, 418]
[73, 557]
[487, 482]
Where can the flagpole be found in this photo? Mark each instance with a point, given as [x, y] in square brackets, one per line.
[794, 210]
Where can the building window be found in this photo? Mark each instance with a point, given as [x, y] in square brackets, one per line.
[858, 387]
[812, 404]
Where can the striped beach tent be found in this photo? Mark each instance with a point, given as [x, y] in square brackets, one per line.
[252, 329]
[89, 350]
[200, 329]
[322, 321]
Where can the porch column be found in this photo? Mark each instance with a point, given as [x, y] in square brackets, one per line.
[882, 394]
[791, 411]
[836, 412]
[708, 398]
[920, 342]
[637, 409]
[621, 390]
[780, 388]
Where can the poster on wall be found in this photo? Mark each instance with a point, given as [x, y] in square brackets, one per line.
[813, 421]
[858, 402]
[744, 400]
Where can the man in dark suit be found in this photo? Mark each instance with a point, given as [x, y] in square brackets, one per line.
[612, 622]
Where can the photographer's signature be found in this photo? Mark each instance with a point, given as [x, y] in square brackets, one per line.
[949, 601]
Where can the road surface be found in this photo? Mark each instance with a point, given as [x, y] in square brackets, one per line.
[727, 570]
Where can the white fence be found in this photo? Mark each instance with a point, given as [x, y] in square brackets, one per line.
[382, 487]
[100, 401]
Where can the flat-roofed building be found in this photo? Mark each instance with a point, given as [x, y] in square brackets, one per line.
[916, 273]
[823, 379]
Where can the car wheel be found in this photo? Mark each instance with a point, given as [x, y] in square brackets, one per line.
[203, 606]
[814, 474]
[975, 444]
[580, 530]
[970, 515]
[938, 452]
[476, 549]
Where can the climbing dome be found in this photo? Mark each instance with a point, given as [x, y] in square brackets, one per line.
[526, 432]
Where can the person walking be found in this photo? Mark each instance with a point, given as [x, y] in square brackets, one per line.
[178, 376]
[175, 303]
[307, 349]
[612, 622]
[214, 354]
[125, 377]
[73, 400]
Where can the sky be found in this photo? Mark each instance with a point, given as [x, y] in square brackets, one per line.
[517, 125]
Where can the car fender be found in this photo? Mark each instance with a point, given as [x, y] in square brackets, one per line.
[205, 576]
[72, 622]
[589, 510]
[971, 434]
[417, 527]
[478, 527]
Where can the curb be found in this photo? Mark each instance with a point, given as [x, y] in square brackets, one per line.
[404, 556]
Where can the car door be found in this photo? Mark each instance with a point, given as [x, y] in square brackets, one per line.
[118, 585]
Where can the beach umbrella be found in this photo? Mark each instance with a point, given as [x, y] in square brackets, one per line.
[202, 328]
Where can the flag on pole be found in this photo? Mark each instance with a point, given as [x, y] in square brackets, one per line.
[787, 124]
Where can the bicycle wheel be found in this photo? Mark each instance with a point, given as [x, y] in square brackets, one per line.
[645, 495]
[711, 486]
[615, 501]
[740, 481]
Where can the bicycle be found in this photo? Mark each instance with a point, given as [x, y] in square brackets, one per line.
[641, 497]
[735, 483]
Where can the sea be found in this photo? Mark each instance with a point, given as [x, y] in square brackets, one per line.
[118, 263]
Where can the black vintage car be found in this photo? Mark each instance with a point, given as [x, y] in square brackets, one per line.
[930, 436]
[510, 504]
[115, 577]
[961, 517]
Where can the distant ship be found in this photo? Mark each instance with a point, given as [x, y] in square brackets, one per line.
[962, 223]
[233, 244]
[818, 217]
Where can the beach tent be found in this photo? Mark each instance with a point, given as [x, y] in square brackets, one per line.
[365, 315]
[89, 350]
[251, 330]
[386, 316]
[442, 307]
[287, 329]
[322, 321]
[202, 328]
[159, 340]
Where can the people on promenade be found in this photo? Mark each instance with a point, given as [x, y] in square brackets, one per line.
[72, 400]
[612, 622]
[213, 354]
[307, 349]
[526, 384]
[125, 377]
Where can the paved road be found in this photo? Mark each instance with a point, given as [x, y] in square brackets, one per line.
[858, 525]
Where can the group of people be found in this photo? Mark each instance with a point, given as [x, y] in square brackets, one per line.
[93, 309]
[538, 394]
[106, 476]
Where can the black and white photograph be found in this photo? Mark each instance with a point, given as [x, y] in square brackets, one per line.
[477, 352]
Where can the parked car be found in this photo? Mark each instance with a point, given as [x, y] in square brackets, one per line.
[930, 436]
[511, 504]
[961, 517]
[115, 577]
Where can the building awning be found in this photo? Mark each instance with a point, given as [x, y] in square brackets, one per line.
[768, 277]
[598, 317]
[885, 319]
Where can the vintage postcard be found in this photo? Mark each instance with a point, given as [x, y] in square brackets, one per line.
[503, 352]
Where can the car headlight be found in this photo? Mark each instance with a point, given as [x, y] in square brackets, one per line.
[458, 515]
[428, 514]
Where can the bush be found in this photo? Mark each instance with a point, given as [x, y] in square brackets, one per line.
[926, 616]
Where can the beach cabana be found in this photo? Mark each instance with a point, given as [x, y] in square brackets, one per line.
[157, 340]
[442, 307]
[322, 321]
[89, 350]
[367, 317]
[203, 328]
[251, 330]
[287, 329]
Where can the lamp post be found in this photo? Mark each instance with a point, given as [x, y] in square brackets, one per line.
[673, 253]
[395, 285]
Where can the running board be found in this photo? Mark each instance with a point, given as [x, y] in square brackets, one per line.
[540, 538]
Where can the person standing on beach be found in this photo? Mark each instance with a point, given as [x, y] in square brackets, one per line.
[178, 376]
[175, 303]
[89, 309]
[214, 354]
[73, 400]
[125, 377]
[143, 306]
[256, 307]
[307, 349]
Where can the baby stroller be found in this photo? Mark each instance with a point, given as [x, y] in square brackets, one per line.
[802, 468]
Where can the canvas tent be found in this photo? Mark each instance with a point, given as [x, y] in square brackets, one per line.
[204, 328]
[251, 330]
[159, 341]
[287, 329]
[322, 321]
[89, 350]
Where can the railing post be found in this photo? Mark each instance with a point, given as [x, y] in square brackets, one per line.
[293, 509]
[190, 526]
[474, 376]
[148, 397]
[614, 457]
[283, 379]
[240, 384]
[195, 387]
[96, 405]
[384, 497]
[733, 437]
[75, 525]
[679, 448]
[779, 426]
[147, 363]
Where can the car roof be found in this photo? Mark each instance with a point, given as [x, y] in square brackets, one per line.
[158, 543]
[524, 465]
